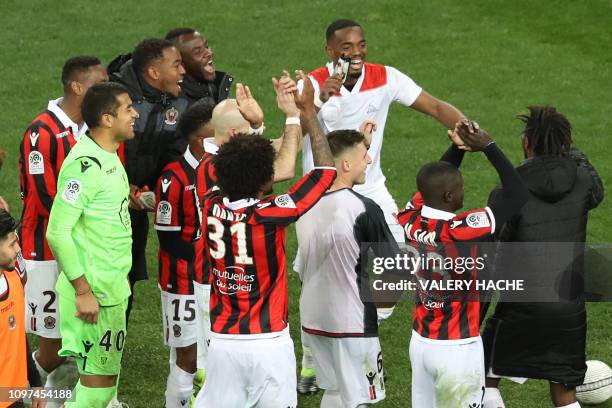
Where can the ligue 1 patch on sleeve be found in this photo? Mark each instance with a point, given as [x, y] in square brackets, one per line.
[284, 201]
[478, 220]
[36, 163]
[72, 191]
[164, 213]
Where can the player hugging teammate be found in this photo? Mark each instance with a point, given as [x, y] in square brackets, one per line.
[167, 124]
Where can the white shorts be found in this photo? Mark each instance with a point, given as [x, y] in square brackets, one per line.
[202, 298]
[352, 366]
[179, 318]
[446, 375]
[250, 373]
[42, 302]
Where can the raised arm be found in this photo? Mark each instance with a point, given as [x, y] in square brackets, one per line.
[514, 192]
[290, 143]
[321, 153]
[443, 112]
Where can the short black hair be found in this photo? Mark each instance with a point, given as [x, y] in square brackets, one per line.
[548, 132]
[435, 178]
[175, 33]
[243, 165]
[147, 51]
[77, 65]
[341, 140]
[7, 224]
[100, 99]
[339, 25]
[196, 116]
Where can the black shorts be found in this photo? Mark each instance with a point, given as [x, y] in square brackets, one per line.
[537, 340]
[140, 232]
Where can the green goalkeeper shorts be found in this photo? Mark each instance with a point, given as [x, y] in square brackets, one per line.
[97, 347]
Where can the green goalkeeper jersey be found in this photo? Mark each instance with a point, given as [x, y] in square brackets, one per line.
[89, 227]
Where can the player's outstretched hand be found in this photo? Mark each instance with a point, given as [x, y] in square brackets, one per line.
[285, 88]
[248, 106]
[305, 100]
[87, 307]
[331, 86]
[368, 127]
[475, 138]
[454, 137]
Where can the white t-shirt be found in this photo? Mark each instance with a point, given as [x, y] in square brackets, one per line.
[375, 90]
[335, 289]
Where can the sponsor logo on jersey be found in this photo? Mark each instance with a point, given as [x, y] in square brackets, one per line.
[419, 235]
[478, 220]
[371, 375]
[164, 213]
[371, 109]
[263, 205]
[171, 116]
[284, 201]
[87, 345]
[176, 330]
[36, 163]
[165, 183]
[85, 164]
[72, 191]
[455, 224]
[34, 138]
[63, 134]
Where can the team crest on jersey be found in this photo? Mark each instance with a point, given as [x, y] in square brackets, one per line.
[12, 322]
[164, 213]
[36, 163]
[171, 116]
[371, 109]
[176, 329]
[72, 191]
[478, 220]
[284, 201]
[49, 322]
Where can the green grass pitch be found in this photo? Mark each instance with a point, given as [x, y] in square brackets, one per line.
[489, 58]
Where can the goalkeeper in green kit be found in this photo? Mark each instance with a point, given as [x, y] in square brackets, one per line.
[90, 235]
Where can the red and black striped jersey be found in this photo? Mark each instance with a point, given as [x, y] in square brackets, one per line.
[443, 314]
[45, 145]
[205, 180]
[177, 210]
[245, 241]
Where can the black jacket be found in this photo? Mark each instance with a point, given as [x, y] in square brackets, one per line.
[207, 92]
[563, 190]
[156, 141]
[541, 337]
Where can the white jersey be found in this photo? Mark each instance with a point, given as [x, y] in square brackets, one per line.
[329, 241]
[375, 90]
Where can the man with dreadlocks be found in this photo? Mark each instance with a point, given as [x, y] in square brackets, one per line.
[563, 187]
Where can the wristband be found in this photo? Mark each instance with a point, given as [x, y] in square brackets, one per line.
[292, 120]
[259, 131]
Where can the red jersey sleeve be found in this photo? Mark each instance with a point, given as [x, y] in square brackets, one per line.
[168, 210]
[38, 173]
[415, 204]
[472, 225]
[286, 208]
